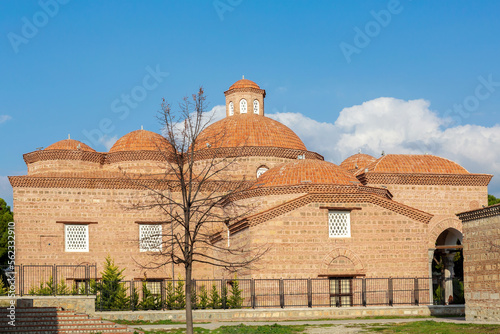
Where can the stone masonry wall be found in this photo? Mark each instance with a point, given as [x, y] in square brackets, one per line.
[482, 268]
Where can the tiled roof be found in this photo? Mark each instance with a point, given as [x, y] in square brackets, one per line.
[305, 171]
[356, 162]
[244, 83]
[140, 140]
[69, 144]
[418, 164]
[241, 130]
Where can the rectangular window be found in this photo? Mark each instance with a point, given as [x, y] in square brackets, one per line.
[341, 291]
[339, 224]
[150, 237]
[154, 287]
[76, 238]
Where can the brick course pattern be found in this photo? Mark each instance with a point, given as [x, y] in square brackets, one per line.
[482, 263]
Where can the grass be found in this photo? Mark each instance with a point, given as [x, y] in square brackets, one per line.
[416, 327]
[240, 329]
[426, 327]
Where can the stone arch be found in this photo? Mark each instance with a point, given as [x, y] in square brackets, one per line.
[441, 226]
[341, 261]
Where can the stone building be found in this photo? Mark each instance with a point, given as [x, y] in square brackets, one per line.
[366, 217]
[481, 230]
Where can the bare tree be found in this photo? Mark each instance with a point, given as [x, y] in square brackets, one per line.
[194, 196]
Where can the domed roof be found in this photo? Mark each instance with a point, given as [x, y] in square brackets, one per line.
[409, 163]
[356, 162]
[244, 83]
[69, 144]
[140, 140]
[240, 130]
[306, 171]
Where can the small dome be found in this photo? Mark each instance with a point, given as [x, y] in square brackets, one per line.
[69, 144]
[239, 131]
[418, 164]
[140, 140]
[244, 83]
[306, 171]
[357, 162]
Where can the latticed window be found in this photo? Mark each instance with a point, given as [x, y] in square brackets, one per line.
[231, 109]
[76, 238]
[341, 291]
[154, 286]
[243, 106]
[255, 107]
[339, 224]
[150, 237]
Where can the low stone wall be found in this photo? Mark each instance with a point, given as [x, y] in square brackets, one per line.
[79, 304]
[287, 313]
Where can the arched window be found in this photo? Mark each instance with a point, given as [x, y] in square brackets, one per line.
[231, 109]
[255, 106]
[243, 106]
[261, 170]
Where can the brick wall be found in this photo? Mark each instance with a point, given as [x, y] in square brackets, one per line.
[482, 267]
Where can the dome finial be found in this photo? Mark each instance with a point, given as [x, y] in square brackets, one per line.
[142, 127]
[69, 137]
[359, 151]
[243, 76]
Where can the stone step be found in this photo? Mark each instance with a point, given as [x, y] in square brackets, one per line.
[55, 320]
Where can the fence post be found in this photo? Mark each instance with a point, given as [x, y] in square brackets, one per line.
[252, 292]
[21, 279]
[309, 293]
[416, 292]
[162, 294]
[363, 291]
[282, 293]
[390, 291]
[223, 295]
[87, 279]
[132, 306]
[193, 294]
[54, 275]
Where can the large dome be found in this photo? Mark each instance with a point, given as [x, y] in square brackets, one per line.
[417, 164]
[356, 162]
[244, 83]
[140, 140]
[69, 144]
[243, 131]
[304, 172]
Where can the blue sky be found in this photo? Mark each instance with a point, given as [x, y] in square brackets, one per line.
[400, 76]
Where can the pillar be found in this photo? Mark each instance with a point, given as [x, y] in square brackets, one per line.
[449, 274]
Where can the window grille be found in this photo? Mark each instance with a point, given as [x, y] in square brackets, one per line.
[339, 224]
[341, 291]
[231, 109]
[243, 106]
[76, 238]
[150, 237]
[154, 287]
[255, 107]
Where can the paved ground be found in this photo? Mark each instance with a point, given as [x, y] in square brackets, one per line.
[320, 330]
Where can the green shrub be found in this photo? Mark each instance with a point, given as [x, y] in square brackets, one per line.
[204, 301]
[214, 298]
[235, 300]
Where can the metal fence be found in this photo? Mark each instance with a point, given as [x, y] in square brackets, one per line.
[49, 279]
[252, 293]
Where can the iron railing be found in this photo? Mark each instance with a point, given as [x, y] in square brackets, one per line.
[254, 293]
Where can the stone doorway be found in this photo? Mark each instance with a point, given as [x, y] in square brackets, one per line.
[447, 268]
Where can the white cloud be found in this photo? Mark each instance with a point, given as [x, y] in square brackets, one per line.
[398, 126]
[6, 190]
[107, 141]
[4, 118]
